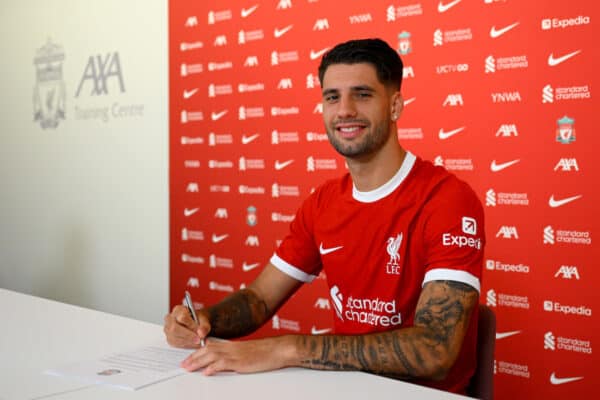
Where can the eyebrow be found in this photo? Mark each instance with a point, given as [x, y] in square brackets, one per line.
[359, 88]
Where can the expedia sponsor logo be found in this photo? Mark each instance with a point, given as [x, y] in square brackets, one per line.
[278, 190]
[187, 46]
[495, 265]
[219, 66]
[450, 68]
[316, 137]
[457, 35]
[220, 188]
[395, 12]
[187, 140]
[494, 299]
[283, 111]
[216, 164]
[219, 287]
[514, 369]
[560, 343]
[555, 306]
[552, 236]
[284, 57]
[285, 324]
[215, 139]
[454, 164]
[493, 199]
[284, 137]
[280, 217]
[410, 133]
[186, 258]
[243, 189]
[563, 23]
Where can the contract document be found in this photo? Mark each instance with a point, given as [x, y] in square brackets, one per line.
[130, 370]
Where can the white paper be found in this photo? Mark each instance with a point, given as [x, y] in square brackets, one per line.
[129, 370]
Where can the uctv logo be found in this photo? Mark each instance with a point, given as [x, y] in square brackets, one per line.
[99, 70]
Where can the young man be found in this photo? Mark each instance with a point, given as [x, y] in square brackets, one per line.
[401, 243]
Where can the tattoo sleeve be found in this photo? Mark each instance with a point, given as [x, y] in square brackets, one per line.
[426, 350]
[237, 315]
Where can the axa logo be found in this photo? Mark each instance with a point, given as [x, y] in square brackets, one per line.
[191, 21]
[507, 130]
[221, 213]
[193, 282]
[508, 232]
[321, 24]
[408, 72]
[251, 61]
[98, 70]
[337, 299]
[567, 165]
[284, 4]
[220, 40]
[252, 241]
[506, 97]
[192, 187]
[453, 100]
[322, 303]
[567, 272]
[285, 83]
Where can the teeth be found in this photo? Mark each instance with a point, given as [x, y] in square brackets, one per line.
[350, 129]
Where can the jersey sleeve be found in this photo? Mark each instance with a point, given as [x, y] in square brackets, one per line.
[454, 234]
[298, 256]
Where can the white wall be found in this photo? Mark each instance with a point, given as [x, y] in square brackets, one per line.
[84, 206]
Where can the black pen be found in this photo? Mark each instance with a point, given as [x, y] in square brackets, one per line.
[190, 305]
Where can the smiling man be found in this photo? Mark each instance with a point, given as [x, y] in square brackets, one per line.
[401, 243]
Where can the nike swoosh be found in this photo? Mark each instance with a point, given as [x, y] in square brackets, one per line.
[190, 211]
[280, 32]
[557, 203]
[553, 62]
[220, 238]
[279, 166]
[248, 139]
[249, 267]
[506, 334]
[316, 331]
[189, 93]
[216, 116]
[247, 11]
[494, 33]
[317, 54]
[324, 251]
[445, 135]
[559, 381]
[499, 167]
[445, 7]
[408, 101]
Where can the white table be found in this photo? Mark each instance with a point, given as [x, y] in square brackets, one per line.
[37, 334]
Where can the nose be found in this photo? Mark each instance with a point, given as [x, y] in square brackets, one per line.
[346, 107]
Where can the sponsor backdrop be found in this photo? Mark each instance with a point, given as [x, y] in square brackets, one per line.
[499, 92]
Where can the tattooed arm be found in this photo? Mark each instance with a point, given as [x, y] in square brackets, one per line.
[426, 350]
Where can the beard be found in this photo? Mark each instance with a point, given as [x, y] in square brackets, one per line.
[367, 144]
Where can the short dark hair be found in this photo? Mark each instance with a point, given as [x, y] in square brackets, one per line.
[376, 52]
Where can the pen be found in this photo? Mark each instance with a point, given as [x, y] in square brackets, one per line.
[190, 305]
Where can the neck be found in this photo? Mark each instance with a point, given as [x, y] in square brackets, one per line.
[371, 171]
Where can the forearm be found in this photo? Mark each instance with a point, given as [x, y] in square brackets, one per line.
[237, 315]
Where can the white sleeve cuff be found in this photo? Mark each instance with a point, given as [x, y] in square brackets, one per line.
[444, 274]
[290, 270]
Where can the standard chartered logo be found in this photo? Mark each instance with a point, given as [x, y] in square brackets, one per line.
[490, 198]
[438, 38]
[490, 65]
[370, 311]
[549, 341]
[491, 298]
[337, 298]
[548, 235]
[547, 94]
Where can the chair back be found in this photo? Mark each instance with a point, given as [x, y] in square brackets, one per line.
[481, 385]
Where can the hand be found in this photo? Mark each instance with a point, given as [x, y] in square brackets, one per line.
[182, 331]
[242, 356]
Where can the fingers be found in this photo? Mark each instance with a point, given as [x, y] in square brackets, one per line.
[180, 329]
[211, 358]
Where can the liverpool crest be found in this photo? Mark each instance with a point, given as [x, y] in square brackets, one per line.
[49, 90]
[565, 133]
[393, 249]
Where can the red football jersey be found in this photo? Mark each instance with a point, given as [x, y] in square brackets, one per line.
[379, 248]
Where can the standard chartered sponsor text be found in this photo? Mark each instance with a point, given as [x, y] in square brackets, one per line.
[374, 312]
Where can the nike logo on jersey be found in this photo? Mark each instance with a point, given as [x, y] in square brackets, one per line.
[499, 167]
[559, 381]
[495, 33]
[558, 203]
[325, 251]
[553, 62]
[316, 331]
[445, 135]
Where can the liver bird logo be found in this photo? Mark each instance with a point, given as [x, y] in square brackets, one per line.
[393, 246]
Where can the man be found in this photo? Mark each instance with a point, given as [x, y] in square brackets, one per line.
[400, 241]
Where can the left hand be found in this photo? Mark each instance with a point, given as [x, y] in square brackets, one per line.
[242, 356]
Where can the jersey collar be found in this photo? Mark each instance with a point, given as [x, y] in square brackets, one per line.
[388, 187]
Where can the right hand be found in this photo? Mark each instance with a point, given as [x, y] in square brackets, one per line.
[181, 330]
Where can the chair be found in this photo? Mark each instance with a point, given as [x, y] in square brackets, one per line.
[481, 385]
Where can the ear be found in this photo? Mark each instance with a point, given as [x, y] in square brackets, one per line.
[397, 105]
